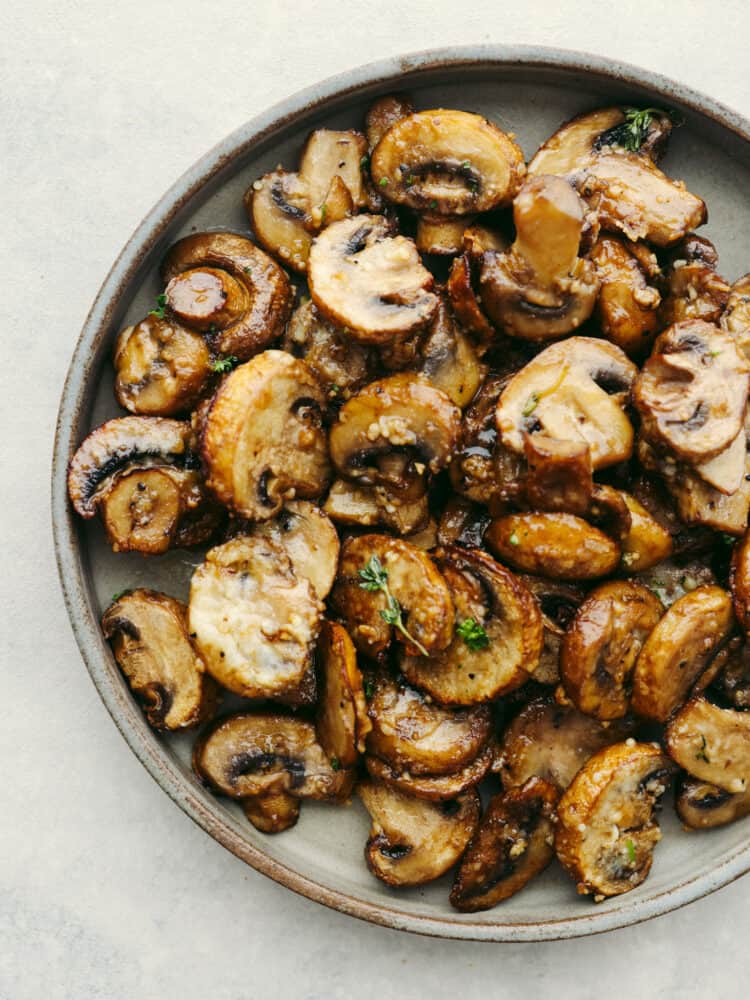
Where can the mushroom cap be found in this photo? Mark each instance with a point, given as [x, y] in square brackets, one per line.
[435, 788]
[712, 744]
[647, 543]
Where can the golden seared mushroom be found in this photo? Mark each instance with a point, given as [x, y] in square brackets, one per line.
[223, 285]
[365, 278]
[606, 831]
[464, 295]
[647, 543]
[554, 545]
[342, 722]
[729, 674]
[403, 414]
[702, 806]
[161, 368]
[602, 644]
[278, 208]
[331, 169]
[739, 581]
[559, 475]
[693, 288]
[572, 391]
[386, 589]
[626, 308]
[417, 737]
[441, 235]
[413, 841]
[736, 316]
[263, 441]
[383, 113]
[260, 754]
[462, 522]
[254, 621]
[498, 638]
[679, 649]
[512, 844]
[541, 289]
[349, 504]
[435, 788]
[340, 364]
[448, 359]
[558, 602]
[272, 813]
[711, 744]
[149, 637]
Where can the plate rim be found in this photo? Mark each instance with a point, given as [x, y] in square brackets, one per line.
[125, 270]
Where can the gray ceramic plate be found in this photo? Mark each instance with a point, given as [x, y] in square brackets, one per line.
[527, 91]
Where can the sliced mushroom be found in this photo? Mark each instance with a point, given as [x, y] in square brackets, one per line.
[559, 474]
[420, 738]
[263, 441]
[373, 506]
[652, 493]
[383, 113]
[541, 289]
[413, 841]
[602, 644]
[448, 360]
[435, 788]
[507, 650]
[223, 284]
[442, 236]
[572, 391]
[739, 581]
[558, 546]
[609, 512]
[255, 622]
[712, 744]
[464, 295]
[606, 830]
[702, 806]
[261, 754]
[679, 649]
[729, 674]
[272, 813]
[626, 308]
[421, 594]
[512, 844]
[365, 278]
[558, 602]
[149, 637]
[647, 543]
[447, 163]
[736, 316]
[462, 523]
[342, 721]
[693, 288]
[278, 208]
[330, 159]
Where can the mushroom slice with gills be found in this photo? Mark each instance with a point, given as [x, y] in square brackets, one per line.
[272, 813]
[606, 830]
[559, 474]
[498, 637]
[386, 589]
[255, 622]
[150, 641]
[223, 284]
[263, 441]
[702, 806]
[416, 736]
[383, 113]
[342, 722]
[161, 368]
[435, 788]
[736, 316]
[693, 288]
[554, 545]
[463, 292]
[541, 289]
[602, 644]
[558, 602]
[278, 206]
[679, 649]
[332, 159]
[739, 581]
[375, 506]
[647, 543]
[413, 841]
[447, 163]
[117, 445]
[261, 754]
[572, 391]
[692, 392]
[448, 359]
[372, 282]
[553, 742]
[512, 844]
[626, 308]
[711, 744]
[340, 364]
[404, 414]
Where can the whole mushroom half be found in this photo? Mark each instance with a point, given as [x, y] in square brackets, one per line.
[712, 743]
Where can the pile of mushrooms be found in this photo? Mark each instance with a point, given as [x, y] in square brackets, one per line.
[472, 503]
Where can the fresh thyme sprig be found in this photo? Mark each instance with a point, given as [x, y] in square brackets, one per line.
[374, 577]
[473, 634]
[633, 131]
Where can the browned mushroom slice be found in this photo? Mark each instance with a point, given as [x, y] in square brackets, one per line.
[330, 156]
[739, 581]
[421, 738]
[161, 367]
[712, 744]
[513, 843]
[559, 475]
[478, 238]
[278, 208]
[249, 295]
[498, 636]
[462, 523]
[263, 441]
[679, 649]
[341, 364]
[541, 289]
[729, 674]
[255, 622]
[558, 546]
[462, 288]
[736, 316]
[342, 721]
[383, 113]
[626, 308]
[693, 288]
[365, 278]
[606, 830]
[149, 637]
[435, 788]
[373, 506]
[572, 391]
[413, 841]
[389, 589]
[259, 754]
[702, 806]
[558, 602]
[602, 644]
[647, 543]
[403, 414]
[447, 163]
[441, 235]
[448, 359]
[272, 813]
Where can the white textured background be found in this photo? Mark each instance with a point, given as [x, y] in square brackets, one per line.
[106, 888]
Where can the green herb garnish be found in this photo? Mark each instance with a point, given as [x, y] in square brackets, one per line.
[632, 133]
[514, 539]
[383, 181]
[473, 634]
[364, 162]
[161, 305]
[374, 578]
[323, 210]
[368, 686]
[630, 846]
[118, 595]
[531, 404]
[466, 164]
[223, 365]
[433, 204]
[702, 755]
[335, 763]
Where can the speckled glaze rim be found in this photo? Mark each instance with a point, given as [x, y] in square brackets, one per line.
[124, 275]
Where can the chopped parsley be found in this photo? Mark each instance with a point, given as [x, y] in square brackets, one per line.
[531, 404]
[473, 634]
[335, 763]
[630, 847]
[323, 210]
[433, 204]
[364, 162]
[118, 595]
[514, 539]
[368, 687]
[223, 365]
[383, 181]
[374, 577]
[161, 305]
